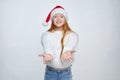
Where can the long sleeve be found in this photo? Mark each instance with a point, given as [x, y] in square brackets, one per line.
[51, 43]
[71, 43]
[46, 43]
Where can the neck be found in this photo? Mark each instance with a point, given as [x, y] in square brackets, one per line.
[58, 28]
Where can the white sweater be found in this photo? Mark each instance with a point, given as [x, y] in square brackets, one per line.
[51, 42]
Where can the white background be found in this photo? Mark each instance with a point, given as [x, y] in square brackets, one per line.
[97, 23]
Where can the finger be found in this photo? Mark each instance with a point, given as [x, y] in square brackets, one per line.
[47, 60]
[73, 51]
[66, 59]
[44, 61]
[42, 55]
[71, 58]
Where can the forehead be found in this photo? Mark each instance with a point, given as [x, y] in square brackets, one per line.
[58, 14]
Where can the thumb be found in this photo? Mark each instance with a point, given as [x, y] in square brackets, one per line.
[72, 51]
[42, 55]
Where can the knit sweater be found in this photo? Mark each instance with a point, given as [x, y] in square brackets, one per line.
[51, 42]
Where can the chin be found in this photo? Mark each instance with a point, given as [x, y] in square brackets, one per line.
[59, 26]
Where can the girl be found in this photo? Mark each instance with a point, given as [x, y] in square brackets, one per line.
[59, 44]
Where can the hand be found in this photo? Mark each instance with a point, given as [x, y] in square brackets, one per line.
[67, 56]
[47, 57]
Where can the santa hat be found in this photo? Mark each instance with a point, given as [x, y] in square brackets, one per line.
[55, 10]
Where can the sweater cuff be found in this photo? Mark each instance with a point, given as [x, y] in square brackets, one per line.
[50, 52]
[66, 49]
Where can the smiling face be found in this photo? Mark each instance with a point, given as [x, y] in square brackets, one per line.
[58, 20]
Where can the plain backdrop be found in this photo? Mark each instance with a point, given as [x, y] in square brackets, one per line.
[97, 23]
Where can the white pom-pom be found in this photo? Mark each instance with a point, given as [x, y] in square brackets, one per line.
[45, 23]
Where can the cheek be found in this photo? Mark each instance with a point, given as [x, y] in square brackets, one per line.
[53, 20]
[63, 19]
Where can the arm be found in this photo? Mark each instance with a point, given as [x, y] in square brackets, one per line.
[70, 47]
[47, 46]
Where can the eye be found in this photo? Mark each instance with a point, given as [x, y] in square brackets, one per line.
[55, 16]
[61, 16]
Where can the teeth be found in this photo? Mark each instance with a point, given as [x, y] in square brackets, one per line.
[58, 22]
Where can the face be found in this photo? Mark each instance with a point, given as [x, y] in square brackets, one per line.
[58, 20]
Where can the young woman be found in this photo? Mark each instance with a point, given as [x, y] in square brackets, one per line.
[59, 44]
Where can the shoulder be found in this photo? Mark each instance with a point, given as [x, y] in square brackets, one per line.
[45, 34]
[72, 34]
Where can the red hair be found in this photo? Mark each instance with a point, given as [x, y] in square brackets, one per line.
[65, 29]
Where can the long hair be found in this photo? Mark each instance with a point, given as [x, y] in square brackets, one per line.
[65, 30]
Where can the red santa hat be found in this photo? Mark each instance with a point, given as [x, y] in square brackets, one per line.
[55, 10]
